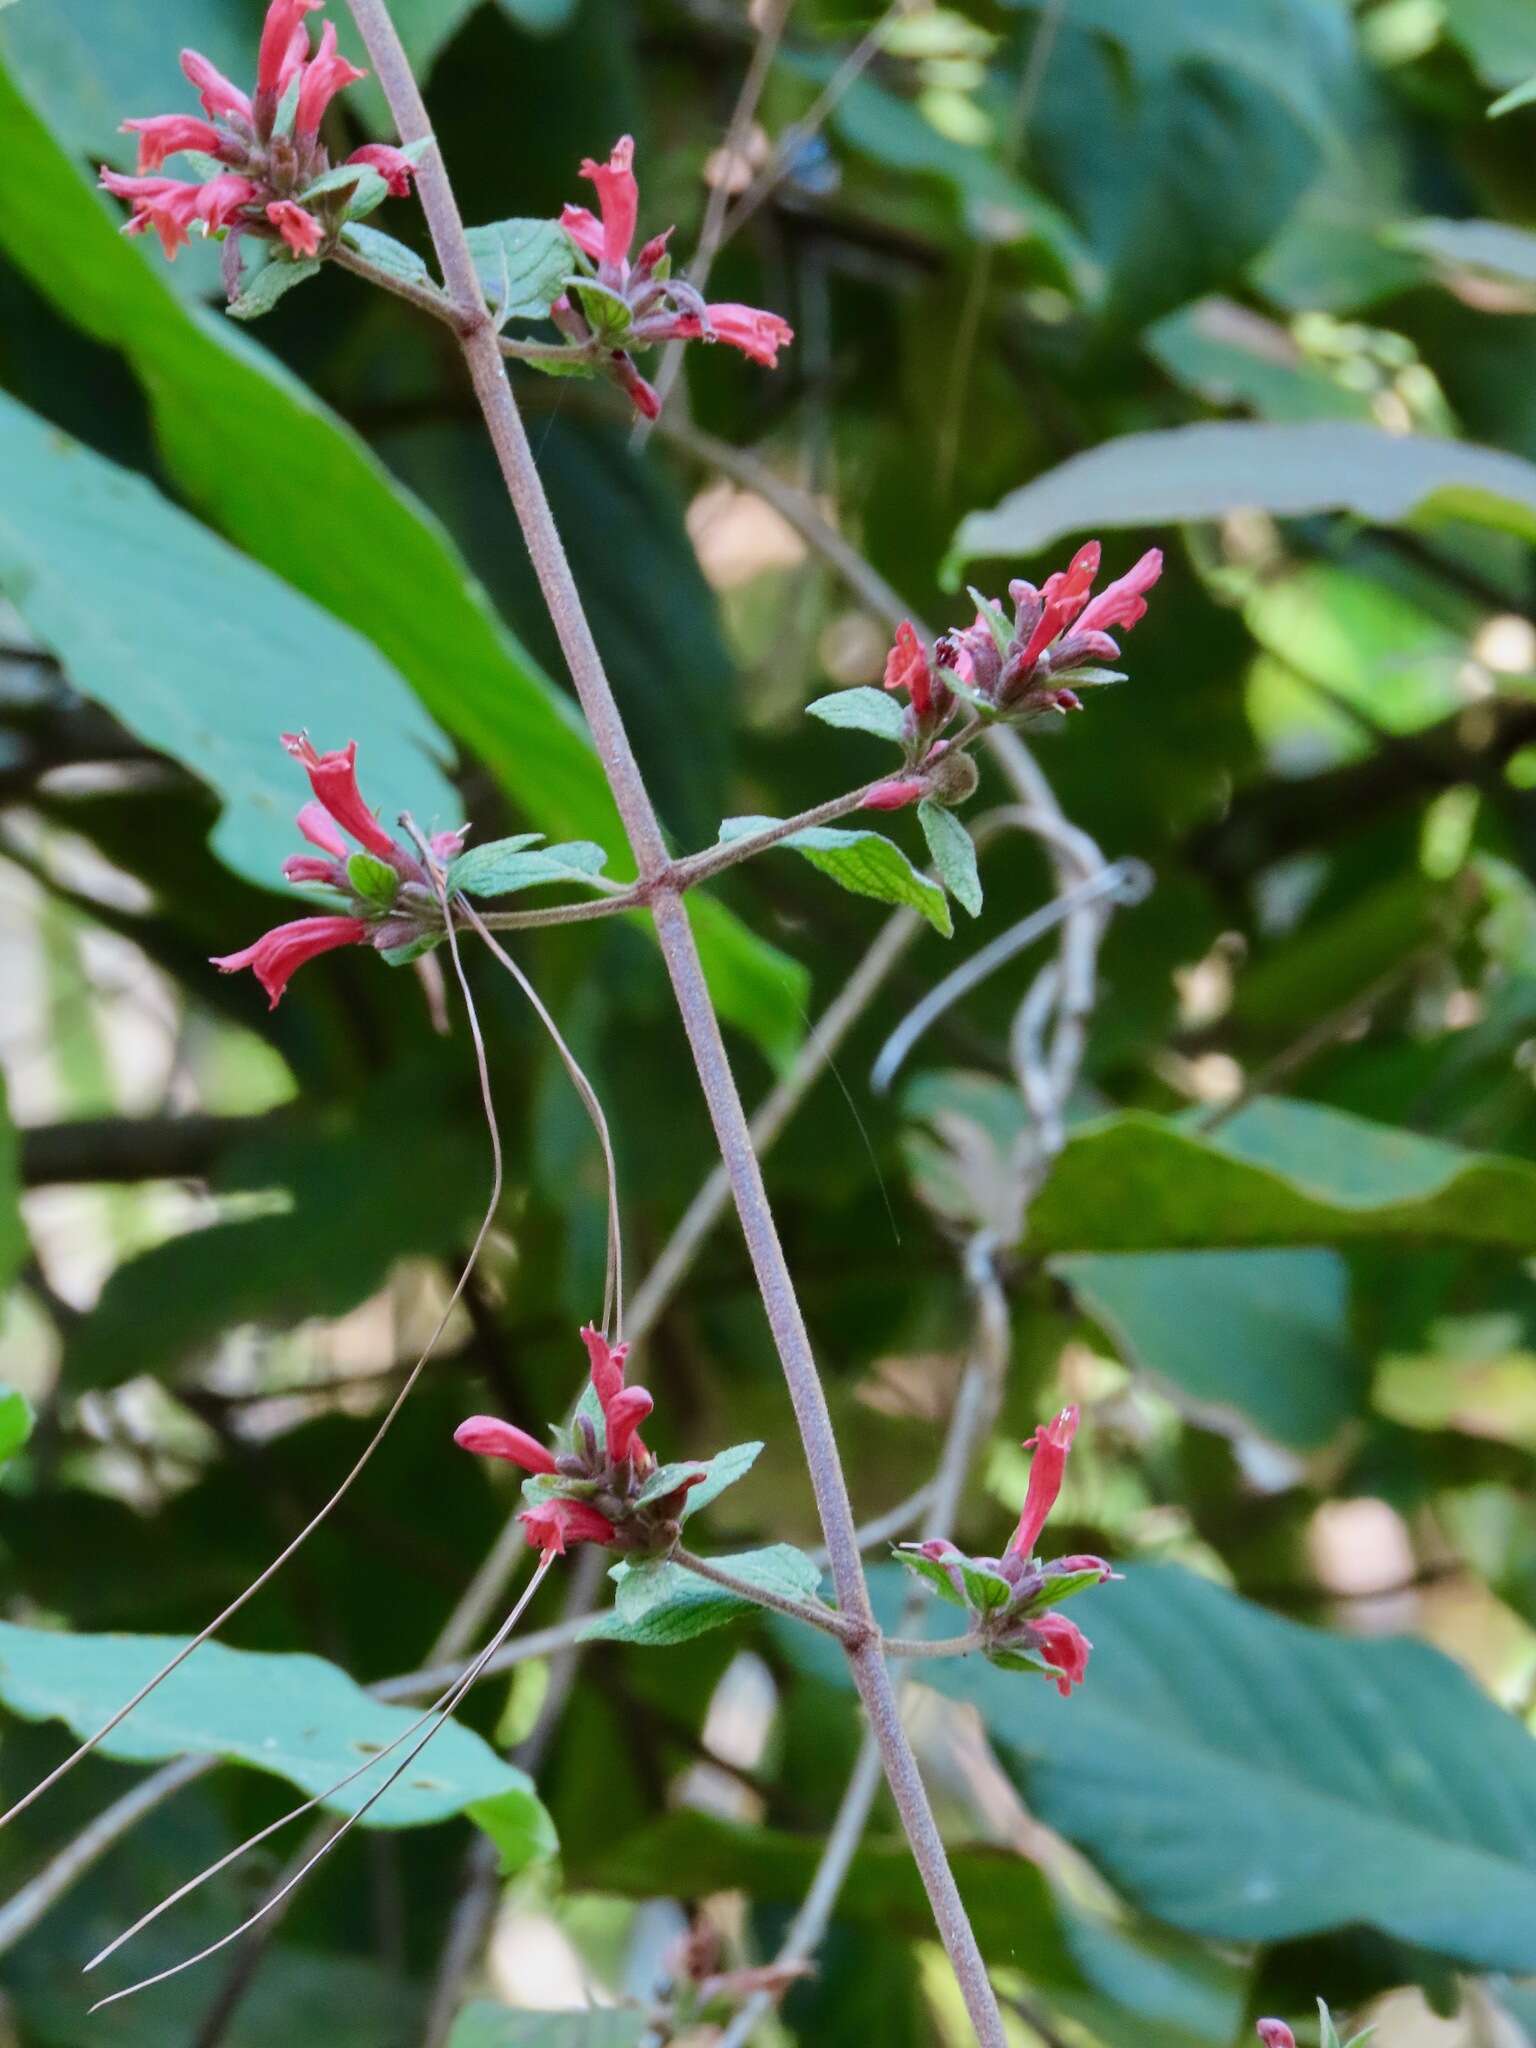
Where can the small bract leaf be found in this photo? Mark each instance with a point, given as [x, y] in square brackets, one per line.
[522, 266]
[930, 1569]
[953, 854]
[865, 863]
[386, 254]
[373, 879]
[272, 282]
[721, 1471]
[861, 710]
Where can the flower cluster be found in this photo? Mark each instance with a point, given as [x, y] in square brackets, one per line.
[262, 169]
[1012, 1598]
[629, 304]
[391, 902]
[1017, 670]
[600, 1484]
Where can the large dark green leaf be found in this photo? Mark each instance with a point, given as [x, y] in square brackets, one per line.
[1211, 469]
[297, 1717]
[204, 654]
[353, 1203]
[1263, 1337]
[1278, 1173]
[264, 461]
[1248, 1779]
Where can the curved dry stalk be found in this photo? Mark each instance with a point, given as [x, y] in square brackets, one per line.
[613, 1291]
[263, 1578]
[438, 1714]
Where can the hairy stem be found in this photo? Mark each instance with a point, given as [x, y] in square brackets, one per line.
[679, 951]
[811, 1612]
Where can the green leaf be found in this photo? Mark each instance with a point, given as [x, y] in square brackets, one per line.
[272, 282]
[483, 2025]
[294, 1716]
[721, 1471]
[663, 1603]
[1377, 1784]
[1277, 1173]
[522, 266]
[1132, 1985]
[261, 458]
[934, 1574]
[374, 880]
[985, 1589]
[607, 311]
[953, 854]
[371, 188]
[502, 865]
[1212, 469]
[862, 710]
[387, 254]
[1517, 96]
[1227, 354]
[141, 604]
[15, 1421]
[1261, 1337]
[866, 863]
[1491, 247]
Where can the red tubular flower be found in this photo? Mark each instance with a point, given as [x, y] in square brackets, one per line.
[1065, 594]
[618, 198]
[392, 165]
[162, 135]
[645, 398]
[307, 867]
[168, 205]
[1050, 1443]
[624, 1415]
[1275, 2033]
[221, 198]
[1121, 602]
[906, 668]
[895, 794]
[300, 230]
[757, 334]
[282, 30]
[333, 778]
[607, 1362]
[325, 75]
[555, 1524]
[1062, 1644]
[215, 91]
[278, 954]
[315, 822]
[488, 1437]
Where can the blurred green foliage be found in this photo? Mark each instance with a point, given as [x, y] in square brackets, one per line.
[1251, 280]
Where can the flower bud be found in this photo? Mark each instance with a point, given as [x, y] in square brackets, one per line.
[952, 777]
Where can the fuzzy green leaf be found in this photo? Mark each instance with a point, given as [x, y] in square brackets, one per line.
[522, 266]
[861, 710]
[663, 1603]
[272, 282]
[953, 854]
[502, 865]
[865, 863]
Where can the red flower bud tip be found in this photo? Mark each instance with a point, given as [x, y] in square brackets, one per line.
[214, 89]
[333, 778]
[1062, 1644]
[1050, 1443]
[278, 954]
[324, 76]
[1122, 603]
[488, 1437]
[1274, 2033]
[392, 165]
[163, 135]
[895, 794]
[607, 1365]
[299, 229]
[280, 32]
[644, 397]
[618, 197]
[554, 1524]
[906, 668]
[624, 1415]
[448, 846]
